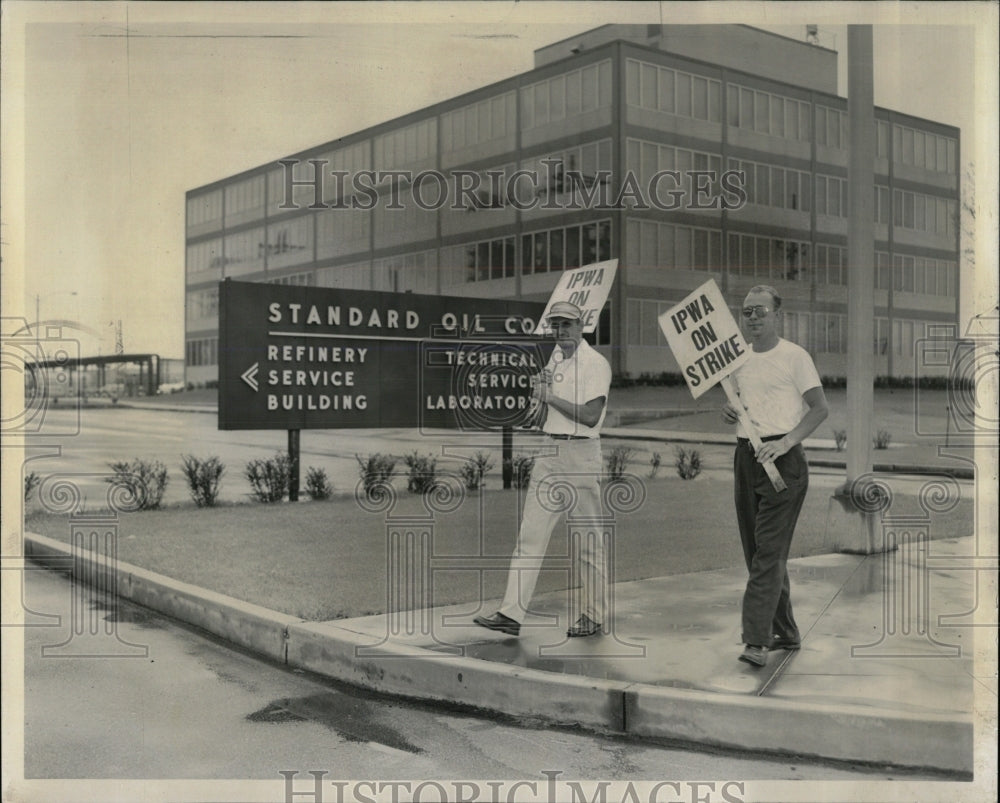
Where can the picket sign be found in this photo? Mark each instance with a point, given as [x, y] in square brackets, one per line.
[587, 287]
[709, 347]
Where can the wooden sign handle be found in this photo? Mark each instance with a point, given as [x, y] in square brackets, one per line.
[772, 470]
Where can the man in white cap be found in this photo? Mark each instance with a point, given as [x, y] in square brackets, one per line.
[573, 394]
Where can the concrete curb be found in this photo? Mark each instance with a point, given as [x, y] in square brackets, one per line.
[334, 650]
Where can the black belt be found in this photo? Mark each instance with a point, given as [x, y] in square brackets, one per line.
[746, 441]
[561, 437]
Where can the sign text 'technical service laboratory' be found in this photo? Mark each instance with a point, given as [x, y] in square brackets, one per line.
[319, 358]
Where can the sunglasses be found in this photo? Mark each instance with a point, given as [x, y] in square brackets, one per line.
[760, 310]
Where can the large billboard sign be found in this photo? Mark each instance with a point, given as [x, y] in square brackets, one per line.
[320, 358]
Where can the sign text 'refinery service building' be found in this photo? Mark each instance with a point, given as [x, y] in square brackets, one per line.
[314, 358]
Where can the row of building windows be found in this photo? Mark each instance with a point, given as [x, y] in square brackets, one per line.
[768, 258]
[789, 260]
[587, 160]
[203, 304]
[478, 123]
[295, 279]
[650, 86]
[542, 251]
[645, 159]
[650, 243]
[919, 212]
[817, 332]
[202, 351]
[924, 149]
[767, 113]
[406, 146]
[565, 96]
[770, 185]
[666, 245]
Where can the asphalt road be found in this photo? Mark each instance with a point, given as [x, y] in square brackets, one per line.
[112, 690]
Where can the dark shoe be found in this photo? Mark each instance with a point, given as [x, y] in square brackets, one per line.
[498, 621]
[779, 643]
[754, 655]
[585, 626]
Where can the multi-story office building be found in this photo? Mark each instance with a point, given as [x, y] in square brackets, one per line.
[616, 145]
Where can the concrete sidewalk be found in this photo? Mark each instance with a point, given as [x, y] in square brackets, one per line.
[886, 673]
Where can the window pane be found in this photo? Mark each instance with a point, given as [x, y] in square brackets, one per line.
[541, 104]
[746, 108]
[666, 245]
[557, 255]
[649, 87]
[733, 105]
[700, 90]
[667, 90]
[763, 185]
[631, 83]
[777, 117]
[762, 113]
[572, 247]
[714, 112]
[792, 119]
[701, 258]
[821, 129]
[527, 110]
[682, 247]
[777, 186]
[908, 146]
[604, 84]
[791, 189]
[684, 94]
[589, 92]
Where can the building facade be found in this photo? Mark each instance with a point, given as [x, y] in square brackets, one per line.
[679, 150]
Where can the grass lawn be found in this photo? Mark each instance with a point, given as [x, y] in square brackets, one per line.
[327, 560]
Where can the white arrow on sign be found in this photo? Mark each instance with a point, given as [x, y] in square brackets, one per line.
[250, 376]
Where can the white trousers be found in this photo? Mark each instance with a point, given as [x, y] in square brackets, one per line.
[567, 482]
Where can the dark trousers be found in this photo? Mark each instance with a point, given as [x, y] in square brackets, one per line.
[767, 522]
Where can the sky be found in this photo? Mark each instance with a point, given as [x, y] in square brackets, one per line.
[120, 108]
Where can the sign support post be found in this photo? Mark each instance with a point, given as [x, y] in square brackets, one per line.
[734, 399]
[507, 457]
[293, 468]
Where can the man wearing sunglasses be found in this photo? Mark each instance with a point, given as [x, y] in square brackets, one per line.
[573, 394]
[784, 399]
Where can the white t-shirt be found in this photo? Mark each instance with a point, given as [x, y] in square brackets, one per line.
[583, 377]
[771, 384]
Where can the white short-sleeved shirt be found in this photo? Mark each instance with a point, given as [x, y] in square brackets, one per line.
[581, 378]
[771, 385]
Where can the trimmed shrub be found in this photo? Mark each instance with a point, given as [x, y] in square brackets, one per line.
[374, 470]
[145, 481]
[318, 485]
[520, 470]
[688, 462]
[881, 439]
[840, 439]
[618, 460]
[269, 478]
[474, 471]
[423, 472]
[204, 477]
[31, 481]
[654, 464]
